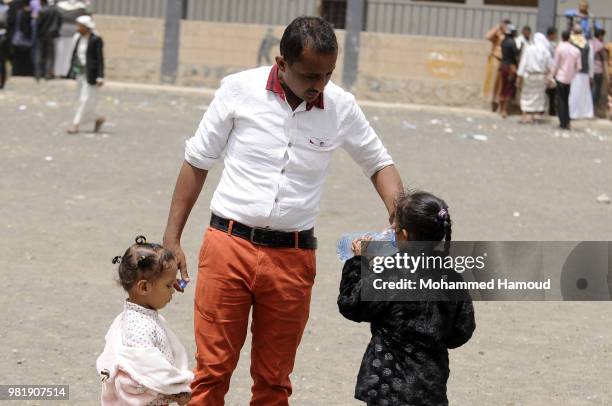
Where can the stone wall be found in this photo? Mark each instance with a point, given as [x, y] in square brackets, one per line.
[392, 68]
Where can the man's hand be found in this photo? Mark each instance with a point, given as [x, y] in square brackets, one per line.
[188, 187]
[179, 255]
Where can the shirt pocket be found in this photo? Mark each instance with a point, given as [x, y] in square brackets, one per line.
[320, 143]
[314, 154]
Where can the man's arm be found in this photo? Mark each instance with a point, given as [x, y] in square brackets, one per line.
[491, 35]
[188, 187]
[555, 64]
[366, 149]
[388, 184]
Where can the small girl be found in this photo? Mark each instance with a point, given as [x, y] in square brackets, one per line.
[406, 362]
[143, 362]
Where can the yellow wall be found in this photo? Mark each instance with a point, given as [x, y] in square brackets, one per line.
[391, 67]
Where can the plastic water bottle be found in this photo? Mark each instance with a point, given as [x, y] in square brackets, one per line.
[344, 244]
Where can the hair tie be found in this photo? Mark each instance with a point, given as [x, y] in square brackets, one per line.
[117, 260]
[141, 239]
[442, 214]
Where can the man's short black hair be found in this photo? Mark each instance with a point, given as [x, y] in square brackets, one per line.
[313, 32]
[526, 28]
[599, 32]
[565, 35]
[551, 31]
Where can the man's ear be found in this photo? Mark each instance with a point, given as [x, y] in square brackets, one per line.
[282, 64]
[142, 287]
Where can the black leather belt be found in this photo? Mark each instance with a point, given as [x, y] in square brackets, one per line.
[269, 238]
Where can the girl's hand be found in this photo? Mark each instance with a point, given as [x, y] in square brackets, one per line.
[357, 245]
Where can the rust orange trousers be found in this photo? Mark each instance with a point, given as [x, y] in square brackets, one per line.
[235, 276]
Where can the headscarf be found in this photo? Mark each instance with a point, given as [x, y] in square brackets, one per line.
[577, 38]
[536, 57]
[541, 44]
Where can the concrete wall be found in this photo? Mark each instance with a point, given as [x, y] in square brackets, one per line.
[425, 70]
[132, 47]
[392, 67]
[210, 51]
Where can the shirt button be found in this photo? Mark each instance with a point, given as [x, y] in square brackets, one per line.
[283, 170]
[290, 144]
[276, 200]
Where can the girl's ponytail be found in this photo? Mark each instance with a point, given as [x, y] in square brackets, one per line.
[447, 226]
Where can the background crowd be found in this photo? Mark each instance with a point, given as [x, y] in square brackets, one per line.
[536, 74]
[539, 74]
[36, 37]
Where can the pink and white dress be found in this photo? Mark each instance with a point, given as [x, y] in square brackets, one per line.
[142, 361]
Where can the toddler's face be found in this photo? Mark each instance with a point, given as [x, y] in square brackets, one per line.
[163, 287]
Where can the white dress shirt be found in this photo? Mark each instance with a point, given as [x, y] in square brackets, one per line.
[276, 159]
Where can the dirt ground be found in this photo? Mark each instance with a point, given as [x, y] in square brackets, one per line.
[72, 202]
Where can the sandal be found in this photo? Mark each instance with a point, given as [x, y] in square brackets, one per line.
[98, 125]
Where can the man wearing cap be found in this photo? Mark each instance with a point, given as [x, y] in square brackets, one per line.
[87, 67]
[275, 129]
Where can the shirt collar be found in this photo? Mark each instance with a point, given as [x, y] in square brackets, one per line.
[137, 308]
[274, 85]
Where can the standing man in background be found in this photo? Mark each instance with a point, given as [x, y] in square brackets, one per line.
[608, 66]
[566, 65]
[4, 42]
[599, 63]
[581, 17]
[48, 26]
[551, 90]
[492, 82]
[524, 40]
[581, 96]
[87, 68]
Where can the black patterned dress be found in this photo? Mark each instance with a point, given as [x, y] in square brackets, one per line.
[406, 361]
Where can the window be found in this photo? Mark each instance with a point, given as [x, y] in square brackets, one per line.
[518, 3]
[334, 11]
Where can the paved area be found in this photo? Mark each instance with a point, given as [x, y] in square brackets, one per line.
[72, 202]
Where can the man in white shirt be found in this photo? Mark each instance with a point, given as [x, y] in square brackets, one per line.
[524, 40]
[275, 129]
